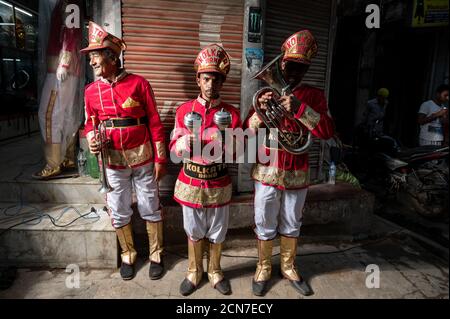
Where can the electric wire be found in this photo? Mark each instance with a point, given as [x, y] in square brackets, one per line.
[36, 215]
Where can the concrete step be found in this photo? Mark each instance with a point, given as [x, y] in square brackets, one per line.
[342, 205]
[331, 211]
[23, 157]
[344, 208]
[29, 238]
[81, 190]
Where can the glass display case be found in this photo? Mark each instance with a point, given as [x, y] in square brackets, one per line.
[18, 26]
[7, 25]
[17, 80]
[18, 58]
[18, 69]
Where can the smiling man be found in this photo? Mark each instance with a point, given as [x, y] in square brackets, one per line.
[136, 153]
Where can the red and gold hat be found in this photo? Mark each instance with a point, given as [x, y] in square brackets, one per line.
[100, 39]
[213, 58]
[300, 47]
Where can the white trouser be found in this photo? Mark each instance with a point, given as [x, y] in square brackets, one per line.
[211, 223]
[120, 199]
[60, 112]
[278, 211]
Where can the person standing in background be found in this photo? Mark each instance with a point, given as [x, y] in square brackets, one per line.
[374, 115]
[433, 117]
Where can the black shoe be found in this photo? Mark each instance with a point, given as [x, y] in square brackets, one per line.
[223, 287]
[187, 287]
[259, 287]
[126, 271]
[302, 287]
[155, 270]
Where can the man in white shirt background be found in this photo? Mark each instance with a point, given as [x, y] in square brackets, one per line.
[433, 118]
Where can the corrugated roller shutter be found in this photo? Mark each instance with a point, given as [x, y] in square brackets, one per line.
[283, 18]
[164, 38]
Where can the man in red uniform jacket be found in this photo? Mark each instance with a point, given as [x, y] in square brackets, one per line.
[203, 187]
[136, 154]
[281, 184]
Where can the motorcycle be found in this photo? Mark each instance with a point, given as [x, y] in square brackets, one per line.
[414, 176]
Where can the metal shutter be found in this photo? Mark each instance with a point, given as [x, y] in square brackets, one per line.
[283, 18]
[164, 38]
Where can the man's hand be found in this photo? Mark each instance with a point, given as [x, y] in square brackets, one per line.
[263, 99]
[94, 145]
[61, 73]
[159, 171]
[290, 103]
[441, 113]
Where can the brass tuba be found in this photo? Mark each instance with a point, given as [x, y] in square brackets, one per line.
[276, 115]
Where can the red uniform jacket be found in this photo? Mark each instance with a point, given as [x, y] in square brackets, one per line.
[130, 96]
[197, 191]
[289, 171]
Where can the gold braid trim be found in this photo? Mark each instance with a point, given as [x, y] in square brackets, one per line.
[129, 103]
[49, 116]
[202, 196]
[310, 118]
[280, 177]
[160, 149]
[132, 157]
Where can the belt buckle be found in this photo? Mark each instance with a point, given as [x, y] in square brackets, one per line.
[112, 123]
[138, 121]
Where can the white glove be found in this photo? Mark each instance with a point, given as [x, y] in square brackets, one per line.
[61, 73]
